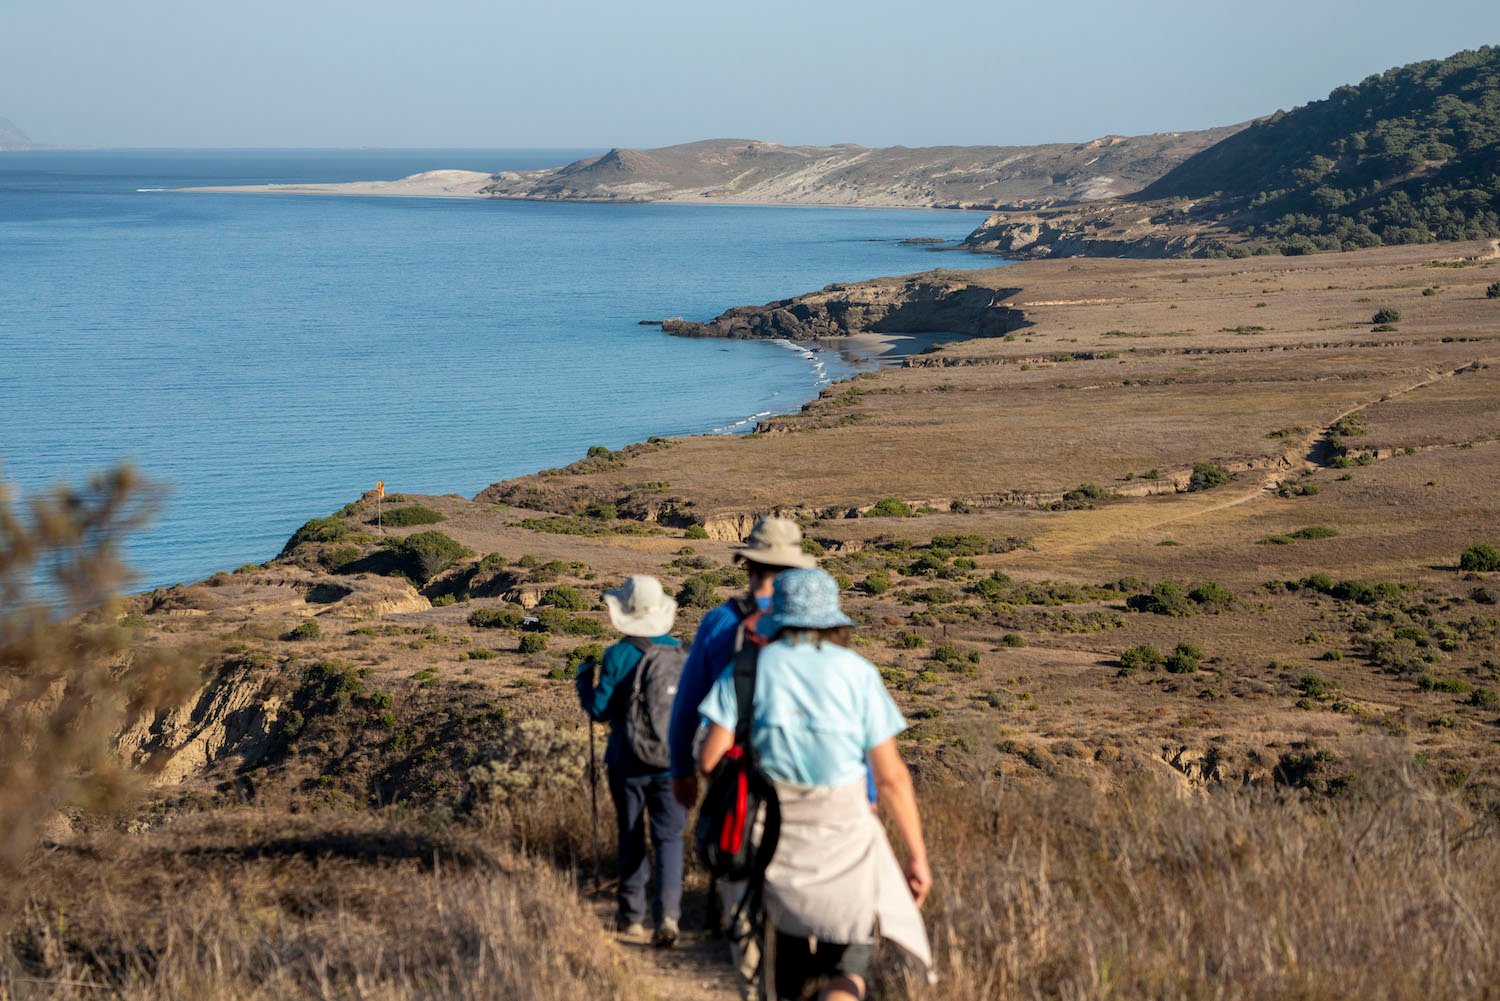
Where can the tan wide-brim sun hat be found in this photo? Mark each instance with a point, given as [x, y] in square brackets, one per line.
[775, 542]
[640, 607]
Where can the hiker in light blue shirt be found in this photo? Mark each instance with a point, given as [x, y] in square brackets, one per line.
[818, 712]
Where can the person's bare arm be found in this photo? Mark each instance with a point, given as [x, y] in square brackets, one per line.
[719, 740]
[899, 800]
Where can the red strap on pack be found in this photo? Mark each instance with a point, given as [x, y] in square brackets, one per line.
[732, 835]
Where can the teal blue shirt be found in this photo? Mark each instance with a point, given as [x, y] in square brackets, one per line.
[606, 697]
[818, 712]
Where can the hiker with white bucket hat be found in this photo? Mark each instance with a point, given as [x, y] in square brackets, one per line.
[818, 713]
[636, 685]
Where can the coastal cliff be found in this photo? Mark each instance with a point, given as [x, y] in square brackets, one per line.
[937, 302]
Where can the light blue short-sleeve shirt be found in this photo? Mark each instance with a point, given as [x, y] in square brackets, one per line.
[818, 712]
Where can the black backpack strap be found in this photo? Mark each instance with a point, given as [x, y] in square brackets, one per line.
[744, 698]
[641, 643]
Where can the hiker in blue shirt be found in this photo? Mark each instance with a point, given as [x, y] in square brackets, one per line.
[773, 546]
[641, 791]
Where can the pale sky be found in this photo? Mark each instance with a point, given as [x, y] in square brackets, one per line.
[596, 73]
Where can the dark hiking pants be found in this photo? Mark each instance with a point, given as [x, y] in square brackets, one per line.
[640, 800]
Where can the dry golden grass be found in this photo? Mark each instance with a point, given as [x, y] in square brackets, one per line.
[1069, 891]
[254, 907]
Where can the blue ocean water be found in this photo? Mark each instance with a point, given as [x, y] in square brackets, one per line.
[269, 357]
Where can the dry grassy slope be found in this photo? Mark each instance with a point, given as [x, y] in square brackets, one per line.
[941, 176]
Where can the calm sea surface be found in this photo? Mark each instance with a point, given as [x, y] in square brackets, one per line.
[269, 357]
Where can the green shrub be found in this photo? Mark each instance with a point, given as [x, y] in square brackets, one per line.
[813, 547]
[588, 653]
[1184, 659]
[1483, 558]
[444, 600]
[1315, 532]
[695, 532]
[1493, 292]
[416, 514]
[1206, 476]
[428, 554]
[1166, 598]
[1083, 497]
[947, 654]
[309, 630]
[481, 654]
[1484, 698]
[1211, 592]
[330, 529]
[878, 582]
[890, 507]
[532, 643]
[339, 557]
[699, 591]
[908, 641]
[495, 618]
[1315, 687]
[1143, 657]
[567, 598]
[1386, 314]
[1012, 639]
[555, 620]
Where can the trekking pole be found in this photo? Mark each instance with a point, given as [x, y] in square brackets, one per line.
[594, 802]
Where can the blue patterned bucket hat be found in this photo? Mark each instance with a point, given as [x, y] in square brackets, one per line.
[804, 599]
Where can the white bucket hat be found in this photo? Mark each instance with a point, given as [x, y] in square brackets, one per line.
[775, 542]
[640, 607]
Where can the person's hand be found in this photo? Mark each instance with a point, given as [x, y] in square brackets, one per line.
[685, 790]
[918, 879]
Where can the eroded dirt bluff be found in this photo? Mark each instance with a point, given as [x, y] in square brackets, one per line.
[936, 302]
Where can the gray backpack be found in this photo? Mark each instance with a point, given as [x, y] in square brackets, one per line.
[648, 717]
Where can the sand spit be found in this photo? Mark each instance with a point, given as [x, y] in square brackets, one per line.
[429, 184]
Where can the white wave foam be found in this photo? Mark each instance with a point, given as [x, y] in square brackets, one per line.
[151, 189]
[813, 358]
[737, 425]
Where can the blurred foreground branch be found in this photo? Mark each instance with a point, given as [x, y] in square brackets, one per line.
[70, 674]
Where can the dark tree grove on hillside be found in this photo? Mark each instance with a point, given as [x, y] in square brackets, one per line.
[1407, 156]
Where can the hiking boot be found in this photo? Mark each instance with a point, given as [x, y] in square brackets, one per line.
[630, 928]
[666, 934]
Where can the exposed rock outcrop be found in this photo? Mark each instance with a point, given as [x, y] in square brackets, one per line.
[933, 303]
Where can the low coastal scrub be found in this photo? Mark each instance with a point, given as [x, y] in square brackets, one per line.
[496, 618]
[1206, 476]
[1483, 558]
[1493, 292]
[567, 598]
[405, 517]
[1166, 598]
[587, 526]
[889, 507]
[309, 630]
[427, 554]
[331, 529]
